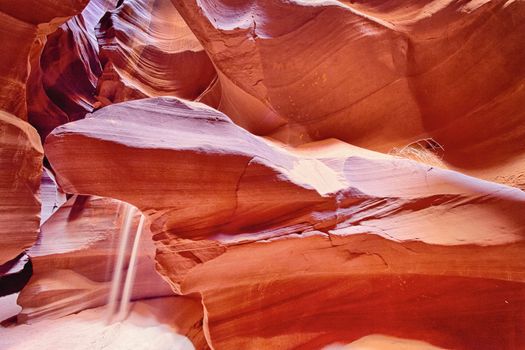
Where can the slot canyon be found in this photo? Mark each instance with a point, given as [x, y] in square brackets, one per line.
[262, 174]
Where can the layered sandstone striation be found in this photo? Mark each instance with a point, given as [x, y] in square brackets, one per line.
[23, 34]
[20, 167]
[73, 261]
[313, 174]
[378, 74]
[109, 53]
[147, 50]
[399, 243]
[63, 80]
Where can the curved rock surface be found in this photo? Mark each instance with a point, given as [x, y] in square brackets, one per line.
[377, 74]
[147, 50]
[22, 34]
[111, 53]
[64, 77]
[74, 259]
[267, 206]
[20, 168]
[383, 245]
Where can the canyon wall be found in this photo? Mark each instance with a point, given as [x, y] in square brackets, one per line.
[307, 174]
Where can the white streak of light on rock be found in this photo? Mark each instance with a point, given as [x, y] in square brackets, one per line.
[129, 210]
[130, 276]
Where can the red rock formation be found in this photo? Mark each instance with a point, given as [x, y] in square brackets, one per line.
[147, 50]
[22, 34]
[20, 168]
[378, 74]
[378, 244]
[165, 59]
[74, 259]
[302, 237]
[64, 77]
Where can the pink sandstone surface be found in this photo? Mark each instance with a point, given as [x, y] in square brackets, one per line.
[262, 174]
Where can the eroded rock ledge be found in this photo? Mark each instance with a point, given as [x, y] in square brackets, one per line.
[20, 169]
[261, 231]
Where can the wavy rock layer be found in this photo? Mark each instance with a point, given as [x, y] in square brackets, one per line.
[147, 50]
[20, 167]
[74, 259]
[378, 74]
[64, 77]
[22, 34]
[378, 244]
[111, 54]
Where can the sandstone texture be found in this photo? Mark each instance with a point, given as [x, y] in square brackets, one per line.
[262, 174]
[147, 50]
[20, 168]
[64, 77]
[231, 210]
[74, 260]
[24, 27]
[381, 74]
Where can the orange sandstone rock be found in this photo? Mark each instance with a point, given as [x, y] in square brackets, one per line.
[309, 246]
[147, 50]
[74, 259]
[20, 168]
[64, 77]
[22, 33]
[377, 74]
